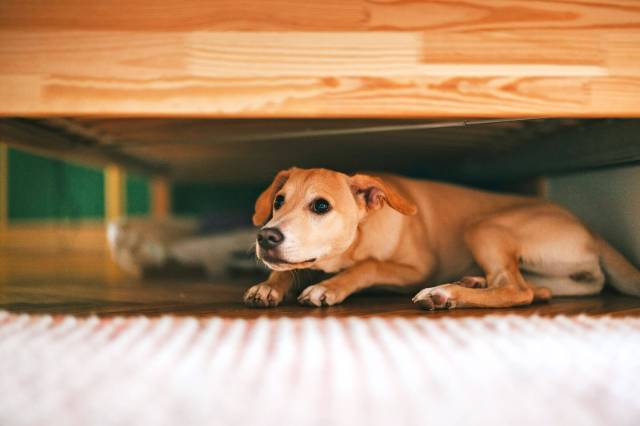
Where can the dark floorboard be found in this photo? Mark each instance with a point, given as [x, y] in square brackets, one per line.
[84, 285]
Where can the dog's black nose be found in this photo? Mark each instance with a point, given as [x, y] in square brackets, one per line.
[269, 238]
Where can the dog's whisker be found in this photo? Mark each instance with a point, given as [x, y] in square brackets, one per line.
[251, 248]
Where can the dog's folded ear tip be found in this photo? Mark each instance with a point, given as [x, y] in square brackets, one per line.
[259, 220]
[264, 202]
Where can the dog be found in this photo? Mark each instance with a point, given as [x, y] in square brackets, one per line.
[462, 248]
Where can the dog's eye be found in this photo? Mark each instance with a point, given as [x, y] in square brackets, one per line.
[320, 206]
[278, 202]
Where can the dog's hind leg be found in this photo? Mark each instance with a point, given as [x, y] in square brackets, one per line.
[577, 284]
[495, 249]
[540, 292]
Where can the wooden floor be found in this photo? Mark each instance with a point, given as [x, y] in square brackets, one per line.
[87, 284]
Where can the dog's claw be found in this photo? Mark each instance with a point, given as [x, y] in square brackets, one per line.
[318, 295]
[425, 303]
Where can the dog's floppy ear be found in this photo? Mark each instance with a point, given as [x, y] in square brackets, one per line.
[375, 192]
[264, 203]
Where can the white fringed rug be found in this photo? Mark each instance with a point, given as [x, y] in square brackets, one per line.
[495, 370]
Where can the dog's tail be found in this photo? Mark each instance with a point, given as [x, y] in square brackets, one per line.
[620, 273]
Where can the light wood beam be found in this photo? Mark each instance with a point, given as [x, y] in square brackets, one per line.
[336, 58]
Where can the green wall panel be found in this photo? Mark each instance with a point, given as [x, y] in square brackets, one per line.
[43, 188]
[138, 195]
[199, 198]
[46, 188]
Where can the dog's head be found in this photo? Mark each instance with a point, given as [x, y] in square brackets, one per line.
[307, 215]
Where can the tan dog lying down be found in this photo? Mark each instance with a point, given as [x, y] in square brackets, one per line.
[491, 250]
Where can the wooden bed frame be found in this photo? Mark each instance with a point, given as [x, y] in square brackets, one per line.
[330, 58]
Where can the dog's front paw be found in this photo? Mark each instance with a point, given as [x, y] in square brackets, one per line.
[262, 296]
[319, 295]
[433, 298]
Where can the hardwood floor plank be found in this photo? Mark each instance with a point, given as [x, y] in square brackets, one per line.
[88, 285]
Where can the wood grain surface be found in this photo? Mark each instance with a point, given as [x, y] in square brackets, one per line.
[347, 58]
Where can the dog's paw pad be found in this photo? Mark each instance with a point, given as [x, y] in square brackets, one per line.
[472, 282]
[262, 296]
[319, 295]
[434, 298]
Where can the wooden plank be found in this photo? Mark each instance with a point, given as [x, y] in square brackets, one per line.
[322, 59]
[186, 15]
[33, 238]
[80, 284]
[325, 16]
[41, 137]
